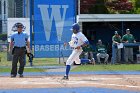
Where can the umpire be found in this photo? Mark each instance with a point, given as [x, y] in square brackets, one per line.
[19, 40]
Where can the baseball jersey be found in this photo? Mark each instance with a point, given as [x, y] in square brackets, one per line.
[101, 48]
[116, 38]
[77, 40]
[88, 48]
[128, 37]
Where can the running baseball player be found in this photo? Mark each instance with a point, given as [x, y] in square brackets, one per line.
[78, 40]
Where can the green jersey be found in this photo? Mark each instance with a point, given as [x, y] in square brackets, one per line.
[116, 38]
[88, 48]
[101, 48]
[129, 38]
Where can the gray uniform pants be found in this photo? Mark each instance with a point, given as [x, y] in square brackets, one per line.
[128, 54]
[102, 55]
[88, 55]
[118, 55]
[18, 55]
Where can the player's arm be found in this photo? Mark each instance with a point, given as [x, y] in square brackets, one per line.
[11, 44]
[114, 40]
[134, 39]
[85, 43]
[65, 44]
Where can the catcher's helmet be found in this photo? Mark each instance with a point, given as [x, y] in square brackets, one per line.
[75, 26]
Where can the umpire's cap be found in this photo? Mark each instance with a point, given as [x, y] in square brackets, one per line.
[75, 26]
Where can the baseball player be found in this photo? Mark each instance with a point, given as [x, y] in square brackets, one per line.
[78, 40]
[116, 40]
[101, 52]
[128, 38]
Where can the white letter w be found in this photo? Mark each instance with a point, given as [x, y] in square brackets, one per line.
[48, 18]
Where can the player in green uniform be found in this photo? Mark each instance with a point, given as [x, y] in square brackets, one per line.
[116, 40]
[101, 52]
[128, 51]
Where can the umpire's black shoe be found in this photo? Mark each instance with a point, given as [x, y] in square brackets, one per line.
[13, 76]
[21, 76]
[65, 78]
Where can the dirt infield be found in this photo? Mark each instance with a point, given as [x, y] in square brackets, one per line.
[124, 82]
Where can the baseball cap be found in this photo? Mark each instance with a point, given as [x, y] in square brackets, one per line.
[116, 32]
[75, 26]
[99, 40]
[127, 30]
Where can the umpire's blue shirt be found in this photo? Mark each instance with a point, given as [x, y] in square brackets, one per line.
[19, 39]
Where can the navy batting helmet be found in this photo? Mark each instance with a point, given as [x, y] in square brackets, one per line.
[75, 26]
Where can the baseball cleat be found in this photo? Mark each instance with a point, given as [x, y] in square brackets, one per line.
[13, 76]
[21, 76]
[65, 78]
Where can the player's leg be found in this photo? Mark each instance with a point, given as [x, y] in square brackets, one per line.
[131, 54]
[77, 59]
[85, 55]
[14, 66]
[91, 55]
[75, 54]
[126, 54]
[14, 63]
[22, 63]
[119, 55]
[69, 62]
[98, 58]
[106, 58]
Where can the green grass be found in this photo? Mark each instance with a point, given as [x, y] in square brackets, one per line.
[45, 61]
[123, 67]
[36, 61]
[5, 66]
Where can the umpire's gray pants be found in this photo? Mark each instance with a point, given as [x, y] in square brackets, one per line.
[128, 54]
